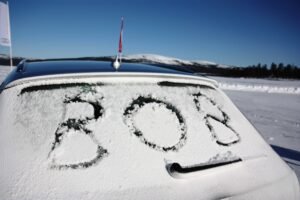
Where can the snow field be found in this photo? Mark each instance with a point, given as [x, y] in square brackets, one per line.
[259, 85]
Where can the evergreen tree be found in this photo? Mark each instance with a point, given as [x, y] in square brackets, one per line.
[273, 70]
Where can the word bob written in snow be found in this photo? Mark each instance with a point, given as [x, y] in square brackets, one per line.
[149, 113]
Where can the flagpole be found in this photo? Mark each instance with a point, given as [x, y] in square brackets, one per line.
[118, 60]
[11, 59]
[121, 39]
[10, 46]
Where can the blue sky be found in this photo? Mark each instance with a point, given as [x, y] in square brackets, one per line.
[236, 32]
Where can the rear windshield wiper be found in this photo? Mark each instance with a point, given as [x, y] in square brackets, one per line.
[179, 169]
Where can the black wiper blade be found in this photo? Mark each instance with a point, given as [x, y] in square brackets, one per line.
[177, 168]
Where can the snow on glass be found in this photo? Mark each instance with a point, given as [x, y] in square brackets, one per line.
[78, 136]
[153, 115]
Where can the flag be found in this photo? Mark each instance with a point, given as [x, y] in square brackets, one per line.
[5, 39]
[121, 36]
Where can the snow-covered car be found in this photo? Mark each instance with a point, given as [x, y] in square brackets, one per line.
[81, 130]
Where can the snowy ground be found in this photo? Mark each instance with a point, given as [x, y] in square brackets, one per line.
[273, 106]
[259, 85]
[4, 70]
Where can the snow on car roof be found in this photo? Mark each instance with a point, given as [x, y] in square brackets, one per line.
[36, 69]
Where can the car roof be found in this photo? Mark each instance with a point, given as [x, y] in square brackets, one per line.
[31, 69]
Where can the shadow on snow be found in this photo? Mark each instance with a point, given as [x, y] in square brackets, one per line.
[287, 153]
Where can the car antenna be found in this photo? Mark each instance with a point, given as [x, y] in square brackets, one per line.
[118, 60]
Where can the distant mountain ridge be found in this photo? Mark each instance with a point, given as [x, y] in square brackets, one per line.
[158, 59]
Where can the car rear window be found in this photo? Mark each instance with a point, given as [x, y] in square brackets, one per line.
[80, 121]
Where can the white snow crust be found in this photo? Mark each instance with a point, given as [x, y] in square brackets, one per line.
[130, 168]
[93, 157]
[78, 110]
[158, 124]
[76, 147]
[259, 85]
[223, 133]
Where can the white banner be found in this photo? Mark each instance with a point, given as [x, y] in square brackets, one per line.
[4, 25]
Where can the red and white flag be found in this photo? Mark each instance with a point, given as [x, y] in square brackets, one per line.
[5, 39]
[118, 61]
[121, 36]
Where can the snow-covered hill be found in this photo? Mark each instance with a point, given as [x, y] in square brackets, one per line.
[164, 60]
[152, 58]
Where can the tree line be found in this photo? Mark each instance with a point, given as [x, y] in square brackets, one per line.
[264, 71]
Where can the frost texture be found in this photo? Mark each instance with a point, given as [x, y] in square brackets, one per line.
[75, 145]
[216, 120]
[159, 127]
[223, 157]
[92, 152]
